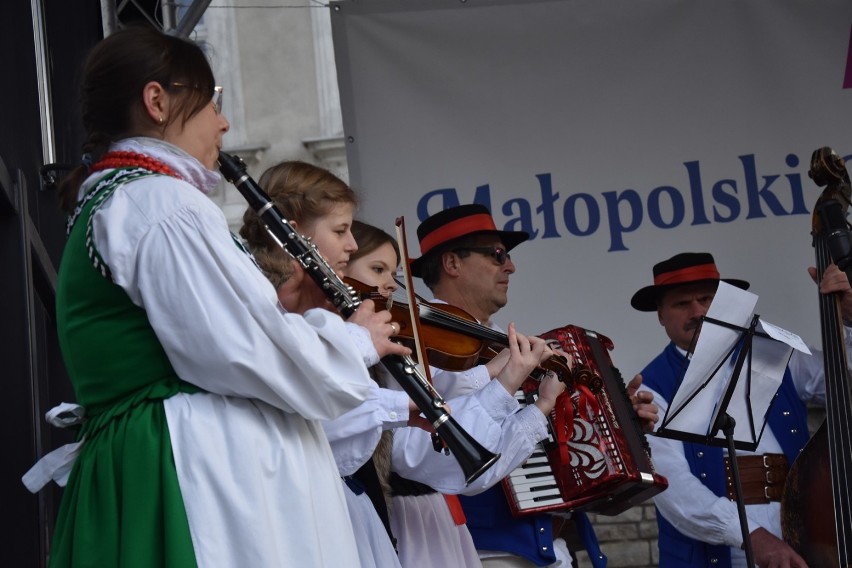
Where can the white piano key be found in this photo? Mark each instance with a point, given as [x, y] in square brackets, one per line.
[524, 505]
[532, 470]
[537, 495]
[523, 484]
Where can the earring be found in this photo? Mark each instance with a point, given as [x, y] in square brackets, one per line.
[161, 119]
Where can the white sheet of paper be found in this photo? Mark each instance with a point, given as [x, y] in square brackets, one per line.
[787, 337]
[750, 402]
[731, 305]
[695, 405]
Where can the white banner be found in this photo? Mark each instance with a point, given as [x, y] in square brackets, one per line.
[618, 133]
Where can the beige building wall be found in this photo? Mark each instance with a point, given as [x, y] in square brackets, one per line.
[277, 67]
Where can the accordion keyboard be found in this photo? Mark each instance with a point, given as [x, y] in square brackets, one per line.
[533, 484]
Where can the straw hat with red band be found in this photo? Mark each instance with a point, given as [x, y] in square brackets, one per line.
[457, 222]
[683, 268]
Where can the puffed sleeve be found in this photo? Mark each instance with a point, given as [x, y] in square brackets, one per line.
[453, 384]
[354, 435]
[361, 337]
[214, 312]
[514, 436]
[808, 371]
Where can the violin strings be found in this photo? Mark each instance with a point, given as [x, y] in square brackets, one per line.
[433, 314]
[436, 315]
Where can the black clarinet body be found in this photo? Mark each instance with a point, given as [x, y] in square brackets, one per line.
[473, 458]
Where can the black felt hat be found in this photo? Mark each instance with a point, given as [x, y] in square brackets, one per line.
[683, 268]
[457, 222]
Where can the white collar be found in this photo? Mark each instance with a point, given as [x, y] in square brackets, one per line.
[189, 168]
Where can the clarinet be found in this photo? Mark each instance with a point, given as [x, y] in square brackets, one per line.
[473, 458]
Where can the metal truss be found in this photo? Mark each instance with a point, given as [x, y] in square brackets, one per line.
[169, 16]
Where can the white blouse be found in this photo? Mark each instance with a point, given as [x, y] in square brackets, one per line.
[257, 476]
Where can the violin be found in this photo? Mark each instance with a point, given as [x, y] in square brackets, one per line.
[453, 339]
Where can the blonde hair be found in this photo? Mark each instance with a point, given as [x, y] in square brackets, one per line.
[303, 193]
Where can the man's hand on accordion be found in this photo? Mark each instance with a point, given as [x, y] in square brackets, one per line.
[643, 404]
[525, 353]
[549, 389]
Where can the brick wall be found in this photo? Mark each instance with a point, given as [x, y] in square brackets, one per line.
[628, 539]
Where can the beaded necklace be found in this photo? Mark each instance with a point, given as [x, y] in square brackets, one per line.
[127, 166]
[121, 159]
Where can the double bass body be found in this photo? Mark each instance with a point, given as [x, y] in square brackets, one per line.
[806, 520]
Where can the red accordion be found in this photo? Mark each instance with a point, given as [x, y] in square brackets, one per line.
[596, 458]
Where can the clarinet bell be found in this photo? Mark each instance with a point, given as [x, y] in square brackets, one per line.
[473, 458]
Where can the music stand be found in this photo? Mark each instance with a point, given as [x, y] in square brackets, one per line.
[734, 371]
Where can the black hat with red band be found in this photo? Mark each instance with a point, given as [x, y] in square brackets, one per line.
[457, 222]
[681, 269]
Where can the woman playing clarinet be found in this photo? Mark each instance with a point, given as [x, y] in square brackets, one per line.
[201, 443]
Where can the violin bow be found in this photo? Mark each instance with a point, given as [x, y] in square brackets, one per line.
[414, 314]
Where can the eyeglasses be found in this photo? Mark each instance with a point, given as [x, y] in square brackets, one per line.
[217, 94]
[217, 99]
[499, 254]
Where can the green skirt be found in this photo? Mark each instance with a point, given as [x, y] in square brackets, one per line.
[122, 506]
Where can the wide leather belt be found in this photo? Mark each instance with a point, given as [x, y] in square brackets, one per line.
[761, 478]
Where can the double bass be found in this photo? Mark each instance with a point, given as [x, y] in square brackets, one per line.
[816, 508]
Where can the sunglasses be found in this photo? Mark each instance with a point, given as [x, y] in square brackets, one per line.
[499, 254]
[217, 95]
